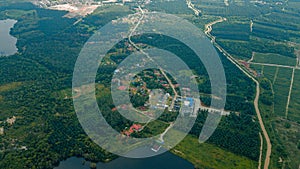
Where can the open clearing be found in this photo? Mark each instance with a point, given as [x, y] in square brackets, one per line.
[73, 10]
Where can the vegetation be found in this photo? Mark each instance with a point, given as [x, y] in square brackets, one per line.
[232, 131]
[209, 156]
[274, 59]
[35, 85]
[32, 91]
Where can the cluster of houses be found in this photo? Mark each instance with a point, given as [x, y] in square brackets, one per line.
[132, 129]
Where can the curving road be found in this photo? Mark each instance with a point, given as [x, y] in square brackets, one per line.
[208, 29]
[236, 63]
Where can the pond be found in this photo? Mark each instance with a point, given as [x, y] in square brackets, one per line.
[7, 41]
[163, 161]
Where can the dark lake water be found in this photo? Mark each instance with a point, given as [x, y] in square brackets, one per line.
[163, 161]
[7, 42]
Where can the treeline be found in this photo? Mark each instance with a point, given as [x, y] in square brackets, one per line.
[266, 96]
[245, 49]
[232, 31]
[273, 33]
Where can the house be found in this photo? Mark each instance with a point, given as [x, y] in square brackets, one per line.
[122, 88]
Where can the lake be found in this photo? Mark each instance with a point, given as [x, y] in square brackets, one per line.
[163, 161]
[7, 41]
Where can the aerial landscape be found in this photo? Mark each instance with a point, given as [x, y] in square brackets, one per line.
[143, 84]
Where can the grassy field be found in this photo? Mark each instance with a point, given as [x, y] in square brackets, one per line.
[274, 59]
[154, 128]
[209, 156]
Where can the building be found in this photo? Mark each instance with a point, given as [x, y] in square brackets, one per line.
[187, 106]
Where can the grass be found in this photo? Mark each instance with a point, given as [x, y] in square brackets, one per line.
[272, 58]
[209, 156]
[154, 128]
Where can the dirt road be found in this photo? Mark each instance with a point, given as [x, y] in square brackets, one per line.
[235, 62]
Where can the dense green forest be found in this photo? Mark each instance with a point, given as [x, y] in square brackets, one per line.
[43, 67]
[46, 122]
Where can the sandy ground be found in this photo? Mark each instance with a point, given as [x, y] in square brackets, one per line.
[74, 10]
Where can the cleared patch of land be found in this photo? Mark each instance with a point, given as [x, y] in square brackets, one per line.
[73, 10]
